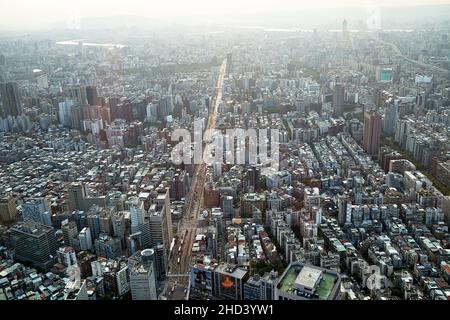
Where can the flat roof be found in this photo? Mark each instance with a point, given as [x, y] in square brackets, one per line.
[308, 277]
[324, 288]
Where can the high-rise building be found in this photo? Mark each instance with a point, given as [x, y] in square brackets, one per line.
[11, 99]
[253, 288]
[85, 239]
[35, 243]
[146, 257]
[390, 117]
[65, 113]
[142, 282]
[92, 95]
[67, 256]
[93, 222]
[76, 195]
[76, 117]
[346, 36]
[228, 206]
[160, 262]
[338, 100]
[108, 247]
[78, 94]
[343, 200]
[260, 288]
[140, 225]
[161, 221]
[312, 198]
[118, 224]
[70, 233]
[165, 107]
[229, 282]
[268, 283]
[372, 132]
[8, 210]
[38, 210]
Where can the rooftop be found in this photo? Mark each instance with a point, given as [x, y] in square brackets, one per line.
[294, 274]
[308, 277]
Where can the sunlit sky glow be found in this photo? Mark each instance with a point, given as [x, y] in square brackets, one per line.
[35, 13]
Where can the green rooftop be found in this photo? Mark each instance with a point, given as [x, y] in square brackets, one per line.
[323, 290]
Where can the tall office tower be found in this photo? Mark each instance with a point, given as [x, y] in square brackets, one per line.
[65, 113]
[253, 176]
[164, 107]
[139, 225]
[80, 218]
[390, 117]
[85, 239]
[152, 112]
[78, 94]
[76, 117]
[142, 283]
[161, 230]
[346, 37]
[70, 233]
[10, 98]
[76, 195]
[160, 262]
[228, 206]
[8, 210]
[92, 95]
[93, 222]
[34, 243]
[38, 210]
[161, 221]
[372, 132]
[338, 100]
[142, 280]
[148, 256]
[106, 223]
[137, 215]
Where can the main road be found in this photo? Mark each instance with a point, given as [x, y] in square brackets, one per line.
[181, 256]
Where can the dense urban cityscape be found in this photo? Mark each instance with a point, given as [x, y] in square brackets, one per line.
[352, 204]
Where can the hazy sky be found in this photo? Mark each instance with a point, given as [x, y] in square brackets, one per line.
[33, 13]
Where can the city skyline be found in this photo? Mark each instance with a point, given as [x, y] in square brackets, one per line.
[25, 15]
[255, 156]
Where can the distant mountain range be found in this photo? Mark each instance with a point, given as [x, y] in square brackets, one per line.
[427, 16]
[392, 17]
